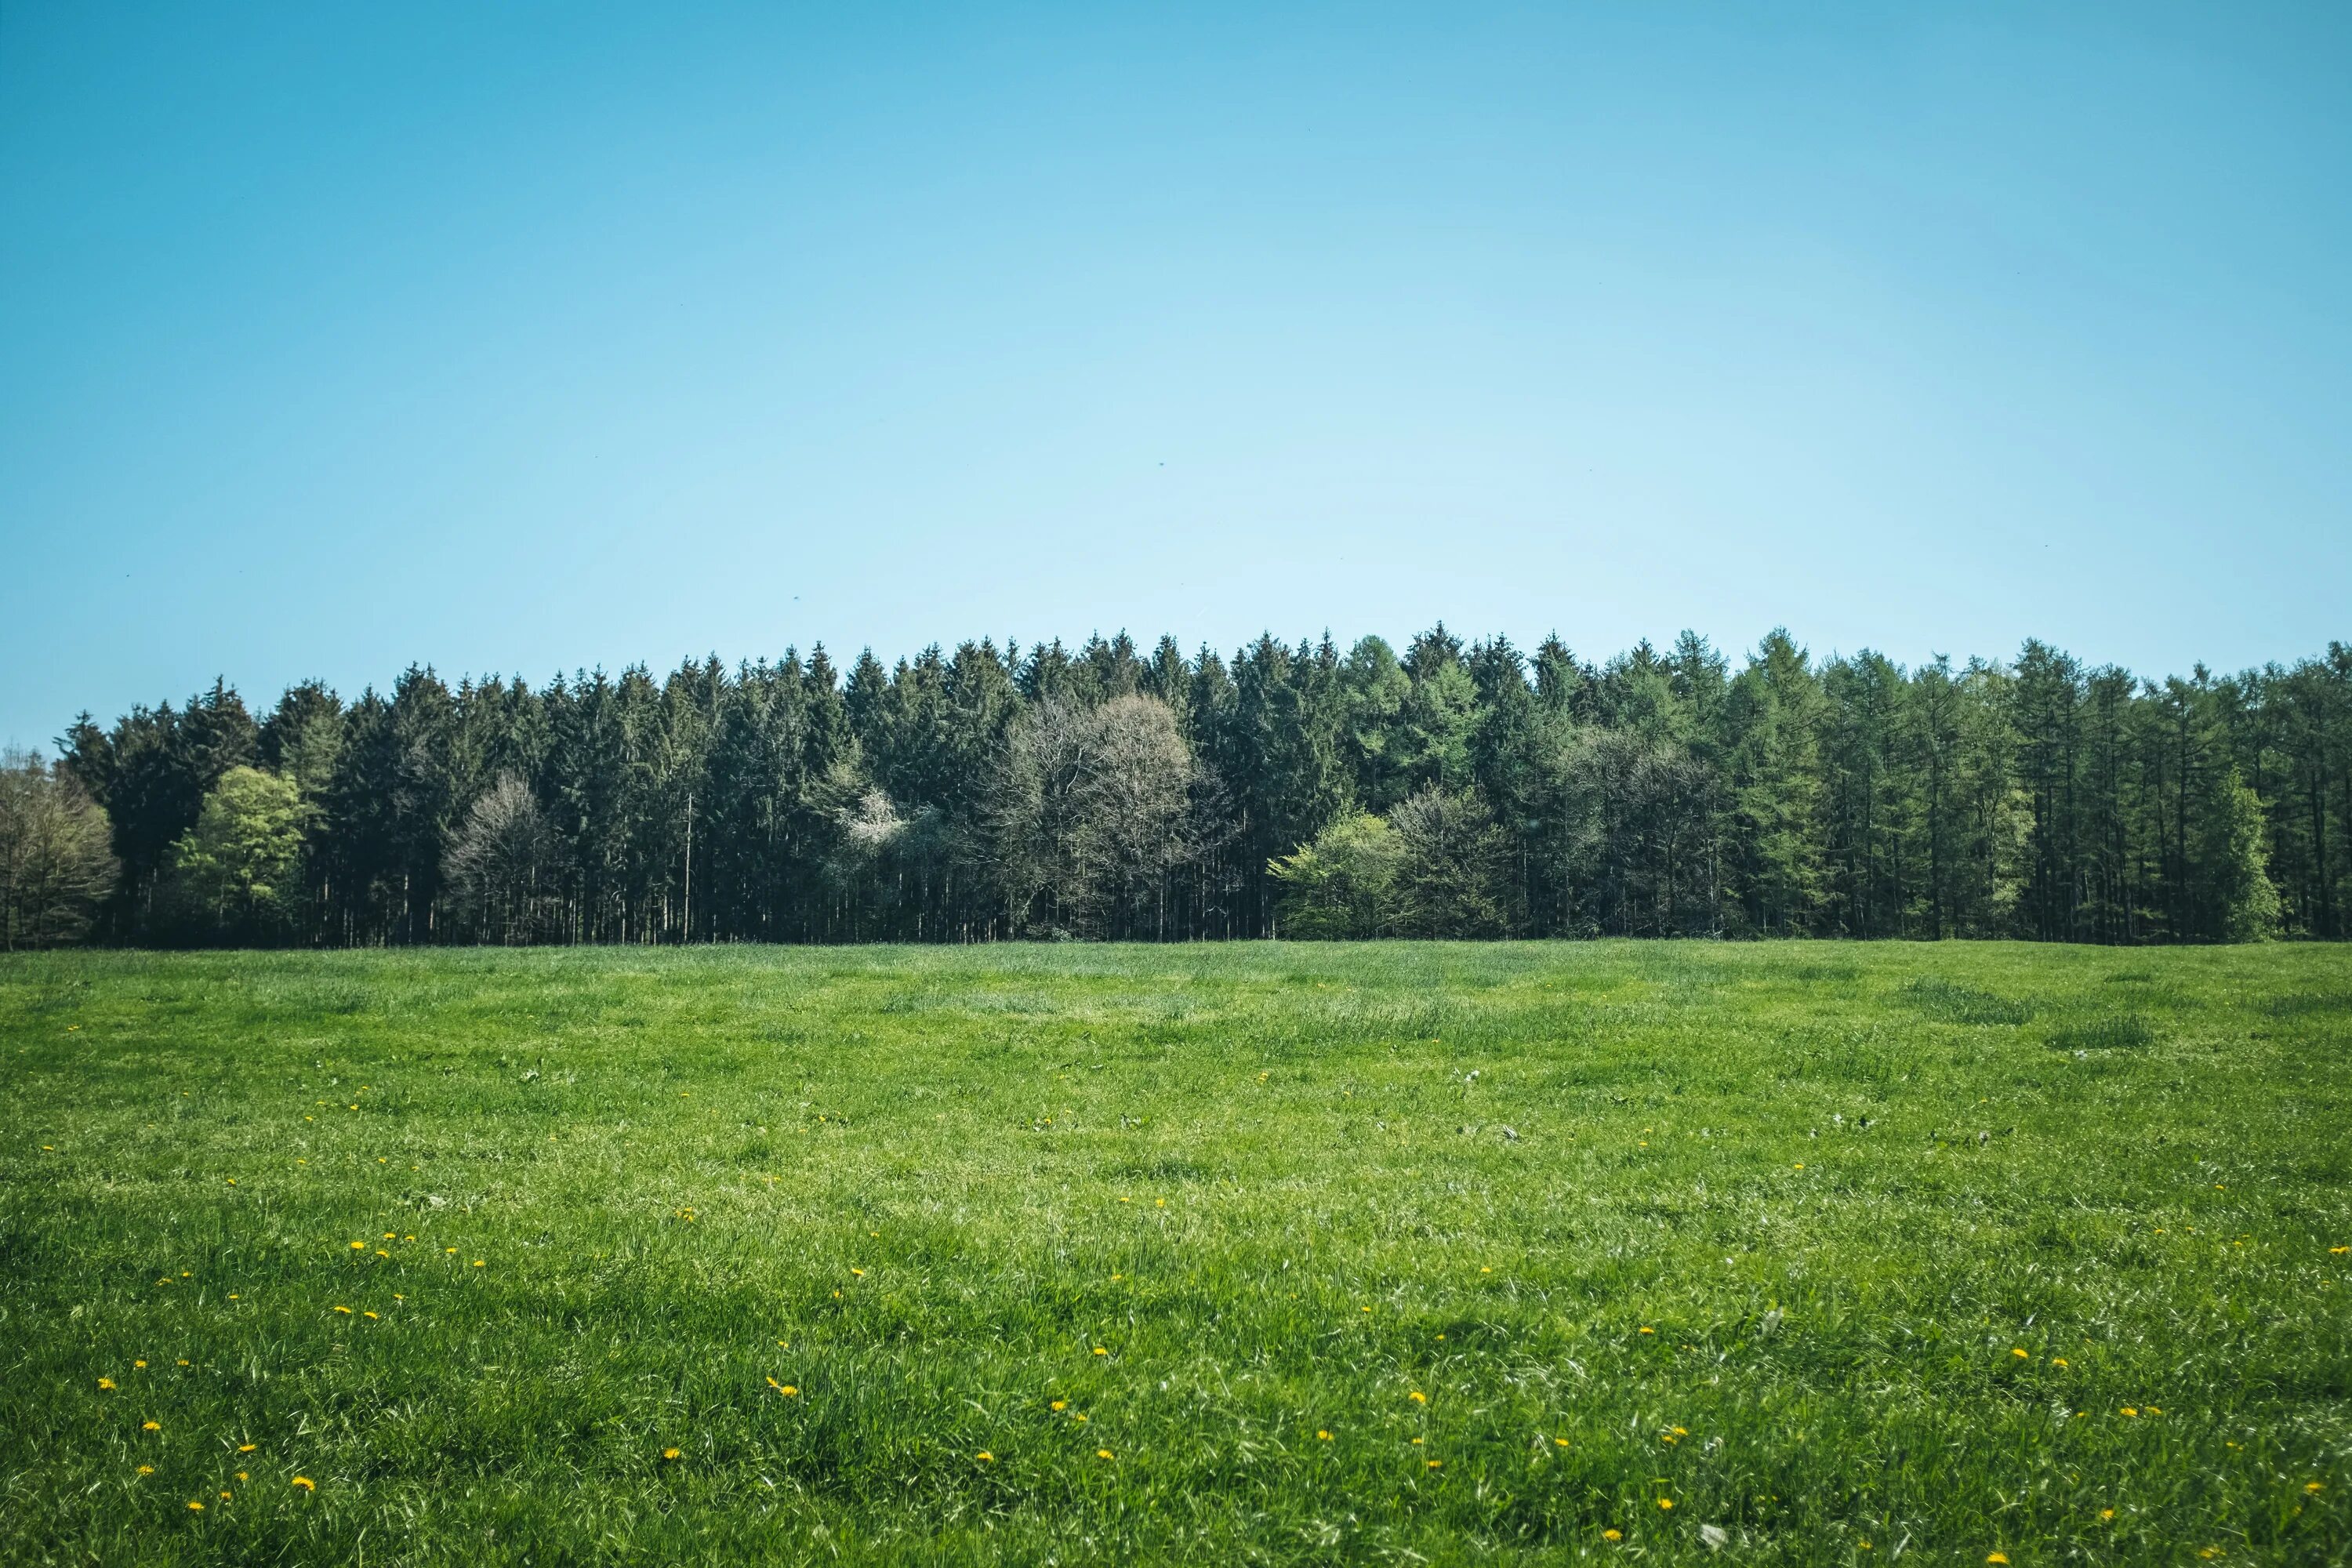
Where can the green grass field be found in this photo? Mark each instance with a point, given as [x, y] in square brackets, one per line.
[1391, 1253]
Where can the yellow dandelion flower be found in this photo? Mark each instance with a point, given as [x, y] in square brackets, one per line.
[346, 1311]
[2020, 1355]
[985, 1457]
[1102, 1453]
[788, 1391]
[1061, 1405]
[380, 1252]
[1559, 1442]
[859, 1272]
[1612, 1535]
[1649, 1330]
[306, 1483]
[106, 1382]
[2128, 1410]
[141, 1365]
[246, 1448]
[367, 1314]
[1436, 1463]
[224, 1497]
[1995, 1557]
[1326, 1436]
[389, 1236]
[477, 1263]
[1418, 1397]
[2057, 1360]
[1666, 1503]
[2339, 1251]
[195, 1506]
[670, 1453]
[1099, 1351]
[451, 1250]
[359, 1246]
[146, 1469]
[243, 1477]
[2106, 1513]
[2312, 1487]
[150, 1427]
[184, 1361]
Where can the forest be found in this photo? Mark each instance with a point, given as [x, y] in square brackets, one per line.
[1107, 792]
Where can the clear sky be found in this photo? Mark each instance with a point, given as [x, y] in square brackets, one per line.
[523, 337]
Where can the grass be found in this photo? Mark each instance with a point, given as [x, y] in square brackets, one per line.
[1849, 1253]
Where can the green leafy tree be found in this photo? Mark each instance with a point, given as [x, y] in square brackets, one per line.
[239, 862]
[2237, 861]
[1343, 883]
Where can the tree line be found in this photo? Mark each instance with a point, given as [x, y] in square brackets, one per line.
[1107, 792]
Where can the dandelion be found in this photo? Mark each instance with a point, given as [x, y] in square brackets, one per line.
[140, 1365]
[788, 1391]
[1648, 1331]
[1436, 1463]
[2020, 1355]
[224, 1497]
[243, 1477]
[346, 1311]
[246, 1448]
[184, 1361]
[859, 1272]
[150, 1427]
[2057, 1360]
[1418, 1397]
[1666, 1505]
[195, 1506]
[105, 1384]
[380, 1252]
[477, 1263]
[367, 1314]
[1102, 1453]
[2339, 1251]
[1612, 1535]
[306, 1483]
[1995, 1557]
[449, 1249]
[359, 1246]
[2129, 1410]
[1099, 1351]
[2312, 1487]
[985, 1457]
[146, 1469]
[670, 1453]
[2106, 1513]
[1326, 1436]
[1061, 1405]
[1559, 1442]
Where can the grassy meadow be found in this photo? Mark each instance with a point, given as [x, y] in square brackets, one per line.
[1385, 1253]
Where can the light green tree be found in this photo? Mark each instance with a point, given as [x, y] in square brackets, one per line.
[238, 862]
[2238, 862]
[1343, 884]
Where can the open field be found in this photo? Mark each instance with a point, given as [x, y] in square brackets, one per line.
[1382, 1253]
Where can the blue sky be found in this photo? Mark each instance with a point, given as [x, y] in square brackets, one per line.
[521, 338]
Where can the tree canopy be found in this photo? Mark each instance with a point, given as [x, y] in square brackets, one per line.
[1455, 789]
